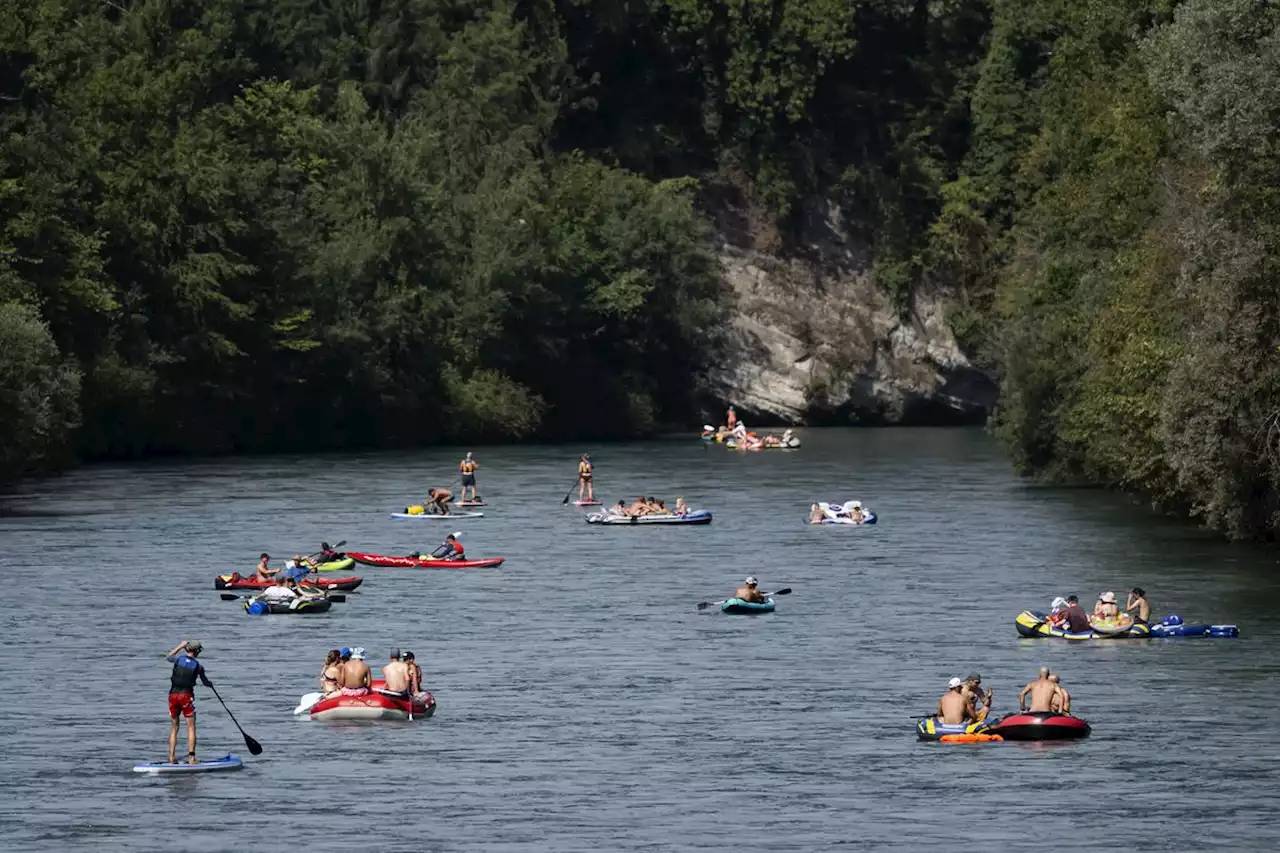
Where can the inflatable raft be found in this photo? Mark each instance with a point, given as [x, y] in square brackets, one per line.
[701, 516]
[235, 581]
[1040, 725]
[374, 705]
[340, 564]
[842, 513]
[1034, 623]
[738, 607]
[418, 562]
[298, 607]
[931, 728]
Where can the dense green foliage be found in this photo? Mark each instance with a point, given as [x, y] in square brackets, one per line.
[234, 224]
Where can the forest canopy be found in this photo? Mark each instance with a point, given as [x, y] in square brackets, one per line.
[237, 225]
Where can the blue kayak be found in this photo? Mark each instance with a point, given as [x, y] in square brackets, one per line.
[226, 762]
[738, 606]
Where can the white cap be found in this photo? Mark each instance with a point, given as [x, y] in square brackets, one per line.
[457, 534]
[357, 654]
[751, 581]
[954, 683]
[857, 504]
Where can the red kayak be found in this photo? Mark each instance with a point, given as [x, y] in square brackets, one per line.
[235, 581]
[374, 705]
[1040, 725]
[422, 562]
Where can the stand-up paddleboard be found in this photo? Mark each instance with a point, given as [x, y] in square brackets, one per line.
[586, 503]
[437, 517]
[226, 762]
[469, 503]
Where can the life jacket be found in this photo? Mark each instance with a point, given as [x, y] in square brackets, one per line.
[468, 467]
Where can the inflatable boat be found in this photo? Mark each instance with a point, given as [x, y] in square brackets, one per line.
[297, 607]
[1033, 623]
[738, 607]
[414, 561]
[235, 581]
[842, 513]
[340, 563]
[931, 728]
[1040, 725]
[700, 516]
[374, 705]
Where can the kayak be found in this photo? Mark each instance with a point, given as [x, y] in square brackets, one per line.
[701, 516]
[1040, 725]
[235, 581]
[437, 516]
[1033, 623]
[739, 607]
[424, 562]
[341, 564]
[374, 705]
[226, 762]
[304, 606]
[792, 444]
[586, 503]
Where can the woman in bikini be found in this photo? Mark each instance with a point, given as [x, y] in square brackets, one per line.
[329, 673]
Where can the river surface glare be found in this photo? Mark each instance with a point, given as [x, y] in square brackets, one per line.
[585, 704]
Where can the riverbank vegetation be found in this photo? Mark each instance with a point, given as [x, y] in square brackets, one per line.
[232, 225]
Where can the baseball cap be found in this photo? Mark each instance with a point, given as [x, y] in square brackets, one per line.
[973, 676]
[194, 645]
[344, 652]
[408, 656]
[751, 581]
[457, 534]
[953, 683]
[357, 654]
[395, 654]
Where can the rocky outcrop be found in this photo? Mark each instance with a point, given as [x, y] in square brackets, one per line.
[816, 340]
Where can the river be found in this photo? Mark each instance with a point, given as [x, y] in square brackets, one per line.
[585, 704]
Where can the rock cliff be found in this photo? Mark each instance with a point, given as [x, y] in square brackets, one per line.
[816, 340]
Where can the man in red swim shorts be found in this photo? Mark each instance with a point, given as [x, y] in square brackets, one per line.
[182, 699]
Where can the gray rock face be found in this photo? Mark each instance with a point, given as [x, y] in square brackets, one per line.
[818, 341]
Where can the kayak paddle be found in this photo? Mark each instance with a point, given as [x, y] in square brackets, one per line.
[253, 746]
[703, 605]
[305, 703]
[335, 597]
[321, 551]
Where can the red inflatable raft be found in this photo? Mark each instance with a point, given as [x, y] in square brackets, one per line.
[1040, 725]
[235, 581]
[374, 706]
[423, 562]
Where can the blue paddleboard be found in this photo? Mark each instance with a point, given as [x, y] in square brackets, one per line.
[227, 762]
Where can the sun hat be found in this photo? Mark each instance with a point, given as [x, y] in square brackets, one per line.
[1057, 602]
[1108, 598]
[954, 683]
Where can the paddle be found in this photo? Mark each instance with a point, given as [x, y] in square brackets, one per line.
[306, 702]
[254, 747]
[322, 550]
[703, 605]
[569, 493]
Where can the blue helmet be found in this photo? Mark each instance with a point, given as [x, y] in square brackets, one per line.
[1173, 619]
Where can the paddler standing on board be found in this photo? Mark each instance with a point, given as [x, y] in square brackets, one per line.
[731, 418]
[467, 468]
[182, 694]
[585, 490]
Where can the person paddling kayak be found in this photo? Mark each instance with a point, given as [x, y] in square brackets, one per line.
[182, 694]
[748, 592]
[451, 549]
[467, 468]
[263, 573]
[585, 490]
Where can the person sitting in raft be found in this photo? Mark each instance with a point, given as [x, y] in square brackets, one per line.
[395, 677]
[738, 430]
[354, 678]
[619, 509]
[638, 507]
[262, 573]
[451, 549]
[1106, 607]
[1042, 691]
[1057, 612]
[1061, 703]
[972, 690]
[438, 501]
[329, 673]
[955, 707]
[1138, 600]
[586, 491]
[284, 591]
[748, 592]
[415, 677]
[682, 508]
[1077, 621]
[856, 512]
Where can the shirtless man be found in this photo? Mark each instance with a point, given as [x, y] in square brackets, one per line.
[816, 515]
[1042, 690]
[1138, 599]
[354, 679]
[638, 507]
[262, 573]
[396, 675]
[438, 501]
[954, 707]
[749, 591]
[1062, 699]
[972, 690]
